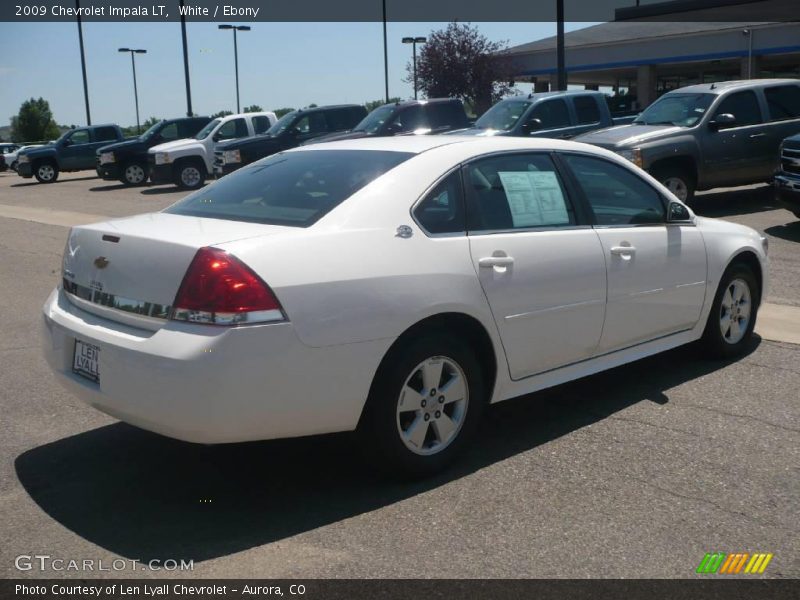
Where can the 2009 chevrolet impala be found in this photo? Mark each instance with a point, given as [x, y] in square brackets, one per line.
[395, 286]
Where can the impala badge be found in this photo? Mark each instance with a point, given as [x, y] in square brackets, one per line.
[101, 262]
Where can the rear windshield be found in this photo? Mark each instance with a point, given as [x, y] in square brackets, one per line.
[296, 188]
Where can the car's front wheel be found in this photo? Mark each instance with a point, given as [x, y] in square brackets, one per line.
[46, 172]
[733, 314]
[190, 174]
[424, 405]
[134, 173]
[678, 181]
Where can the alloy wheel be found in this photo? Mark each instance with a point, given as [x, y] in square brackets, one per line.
[46, 172]
[134, 174]
[678, 187]
[735, 311]
[190, 176]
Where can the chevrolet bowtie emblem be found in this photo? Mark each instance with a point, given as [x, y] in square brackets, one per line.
[101, 262]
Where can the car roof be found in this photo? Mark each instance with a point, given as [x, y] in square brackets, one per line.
[413, 102]
[719, 87]
[327, 107]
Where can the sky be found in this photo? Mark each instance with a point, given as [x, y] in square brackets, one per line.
[280, 65]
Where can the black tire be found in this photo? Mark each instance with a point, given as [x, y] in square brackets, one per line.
[45, 171]
[134, 173]
[380, 425]
[190, 174]
[677, 178]
[714, 341]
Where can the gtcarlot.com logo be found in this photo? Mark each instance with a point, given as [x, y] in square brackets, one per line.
[45, 562]
[733, 564]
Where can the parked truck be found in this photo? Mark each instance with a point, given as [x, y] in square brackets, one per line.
[73, 151]
[787, 179]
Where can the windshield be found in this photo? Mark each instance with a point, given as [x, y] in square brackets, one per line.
[153, 130]
[375, 120]
[282, 124]
[203, 133]
[294, 188]
[503, 115]
[683, 110]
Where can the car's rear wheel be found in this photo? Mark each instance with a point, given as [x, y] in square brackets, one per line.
[730, 324]
[424, 405]
[678, 181]
[190, 175]
[45, 172]
[133, 173]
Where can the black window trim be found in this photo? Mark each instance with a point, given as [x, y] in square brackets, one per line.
[427, 192]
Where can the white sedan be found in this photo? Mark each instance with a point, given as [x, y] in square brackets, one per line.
[393, 286]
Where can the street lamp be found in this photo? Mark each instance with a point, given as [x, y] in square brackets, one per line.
[748, 33]
[135, 92]
[414, 41]
[236, 55]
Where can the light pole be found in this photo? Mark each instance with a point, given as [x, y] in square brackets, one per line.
[748, 33]
[414, 41]
[135, 91]
[236, 55]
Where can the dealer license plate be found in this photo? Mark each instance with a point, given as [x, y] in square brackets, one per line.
[86, 361]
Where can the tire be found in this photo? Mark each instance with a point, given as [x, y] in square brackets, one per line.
[678, 181]
[45, 172]
[426, 438]
[719, 340]
[133, 173]
[190, 174]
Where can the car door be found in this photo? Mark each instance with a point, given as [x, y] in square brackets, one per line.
[539, 263]
[73, 148]
[734, 154]
[656, 272]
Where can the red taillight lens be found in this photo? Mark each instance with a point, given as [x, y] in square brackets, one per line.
[219, 288]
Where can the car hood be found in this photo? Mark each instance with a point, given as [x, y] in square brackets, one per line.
[40, 150]
[792, 142]
[627, 135]
[336, 137]
[132, 145]
[176, 145]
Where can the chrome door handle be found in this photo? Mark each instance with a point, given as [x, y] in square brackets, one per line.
[757, 135]
[495, 261]
[621, 250]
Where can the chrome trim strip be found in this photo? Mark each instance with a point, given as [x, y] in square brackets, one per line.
[83, 294]
[552, 309]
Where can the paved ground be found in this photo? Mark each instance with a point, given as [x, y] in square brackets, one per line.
[636, 472]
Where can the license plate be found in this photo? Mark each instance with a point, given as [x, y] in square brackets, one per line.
[86, 360]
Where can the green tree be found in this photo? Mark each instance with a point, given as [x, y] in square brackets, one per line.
[253, 108]
[373, 104]
[34, 122]
[222, 113]
[279, 112]
[460, 62]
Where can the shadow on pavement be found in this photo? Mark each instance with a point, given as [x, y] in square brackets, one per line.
[790, 231]
[170, 189]
[56, 182]
[111, 187]
[726, 203]
[144, 496]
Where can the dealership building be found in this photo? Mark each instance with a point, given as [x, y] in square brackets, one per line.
[646, 59]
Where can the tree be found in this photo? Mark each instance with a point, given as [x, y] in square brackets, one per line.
[460, 62]
[222, 113]
[34, 122]
[279, 112]
[253, 108]
[373, 104]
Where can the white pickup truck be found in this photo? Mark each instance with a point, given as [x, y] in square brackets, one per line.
[187, 162]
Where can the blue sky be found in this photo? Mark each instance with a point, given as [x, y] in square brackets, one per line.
[280, 64]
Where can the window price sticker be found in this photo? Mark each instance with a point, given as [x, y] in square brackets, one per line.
[534, 198]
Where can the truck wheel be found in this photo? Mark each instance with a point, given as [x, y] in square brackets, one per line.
[678, 181]
[133, 173]
[190, 174]
[45, 172]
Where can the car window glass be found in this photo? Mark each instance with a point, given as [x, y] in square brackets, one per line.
[232, 129]
[616, 194]
[442, 210]
[312, 123]
[504, 115]
[743, 106]
[104, 134]
[444, 115]
[411, 118]
[169, 132]
[516, 191]
[79, 137]
[552, 114]
[586, 109]
[783, 102]
[261, 124]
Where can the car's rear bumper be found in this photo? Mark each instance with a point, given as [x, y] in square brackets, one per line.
[24, 169]
[787, 190]
[160, 173]
[211, 384]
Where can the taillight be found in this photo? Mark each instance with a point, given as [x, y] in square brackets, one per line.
[220, 289]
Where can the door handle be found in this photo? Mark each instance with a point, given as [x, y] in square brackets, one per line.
[757, 135]
[495, 261]
[622, 250]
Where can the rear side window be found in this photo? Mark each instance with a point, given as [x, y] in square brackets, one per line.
[617, 196]
[411, 118]
[442, 210]
[743, 106]
[105, 134]
[515, 191]
[783, 102]
[191, 127]
[343, 118]
[552, 114]
[586, 110]
[295, 189]
[234, 128]
[261, 124]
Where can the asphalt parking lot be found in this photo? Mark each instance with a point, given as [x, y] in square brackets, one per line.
[636, 472]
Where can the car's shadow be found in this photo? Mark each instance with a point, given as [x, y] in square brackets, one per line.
[56, 182]
[170, 189]
[111, 187]
[144, 496]
[789, 231]
[744, 201]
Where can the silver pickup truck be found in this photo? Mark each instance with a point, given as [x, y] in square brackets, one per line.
[709, 135]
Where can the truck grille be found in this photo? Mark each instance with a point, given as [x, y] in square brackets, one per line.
[218, 160]
[790, 160]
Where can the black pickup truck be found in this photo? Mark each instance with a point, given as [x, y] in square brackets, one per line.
[127, 161]
[291, 130]
[73, 151]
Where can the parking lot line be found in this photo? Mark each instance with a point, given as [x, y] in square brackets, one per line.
[46, 216]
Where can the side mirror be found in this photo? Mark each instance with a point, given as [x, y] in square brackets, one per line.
[722, 121]
[532, 124]
[678, 213]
